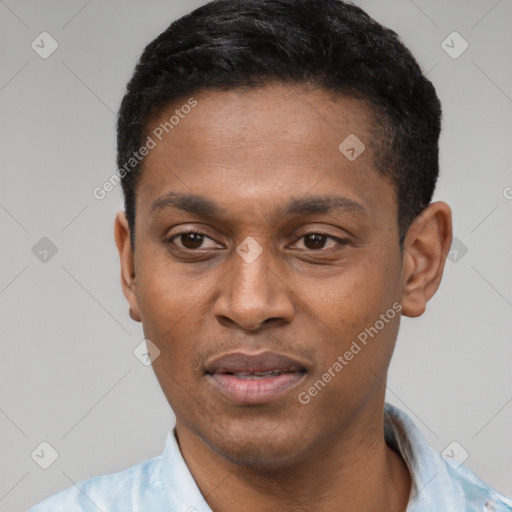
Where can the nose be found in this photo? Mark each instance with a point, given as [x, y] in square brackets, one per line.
[254, 294]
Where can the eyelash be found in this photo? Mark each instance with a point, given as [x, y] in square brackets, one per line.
[339, 241]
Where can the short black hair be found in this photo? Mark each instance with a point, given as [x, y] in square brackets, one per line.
[328, 44]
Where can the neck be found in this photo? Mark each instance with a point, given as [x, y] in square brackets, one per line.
[354, 472]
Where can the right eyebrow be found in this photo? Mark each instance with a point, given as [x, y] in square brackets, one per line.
[191, 203]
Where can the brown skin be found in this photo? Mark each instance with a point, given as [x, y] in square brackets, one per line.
[251, 152]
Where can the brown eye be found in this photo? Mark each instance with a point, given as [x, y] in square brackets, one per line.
[315, 241]
[191, 240]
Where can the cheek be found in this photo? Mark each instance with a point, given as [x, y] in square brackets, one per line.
[167, 298]
[349, 308]
[355, 296]
[176, 307]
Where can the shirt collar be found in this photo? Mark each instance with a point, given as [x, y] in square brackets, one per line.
[435, 486]
[428, 471]
[181, 488]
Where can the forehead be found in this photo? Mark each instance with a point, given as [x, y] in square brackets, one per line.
[276, 112]
[270, 142]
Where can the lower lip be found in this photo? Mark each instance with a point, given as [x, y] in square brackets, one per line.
[255, 391]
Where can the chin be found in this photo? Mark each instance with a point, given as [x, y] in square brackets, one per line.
[259, 444]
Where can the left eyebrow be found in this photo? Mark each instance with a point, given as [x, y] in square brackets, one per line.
[322, 205]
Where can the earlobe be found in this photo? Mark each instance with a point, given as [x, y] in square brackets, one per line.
[426, 247]
[128, 277]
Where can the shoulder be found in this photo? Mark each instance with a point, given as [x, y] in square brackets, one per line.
[478, 495]
[108, 493]
[439, 481]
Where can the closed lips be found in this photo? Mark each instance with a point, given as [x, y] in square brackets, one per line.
[257, 375]
[257, 378]
[264, 364]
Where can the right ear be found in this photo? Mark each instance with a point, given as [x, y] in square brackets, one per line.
[128, 278]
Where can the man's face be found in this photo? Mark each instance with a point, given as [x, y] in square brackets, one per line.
[322, 265]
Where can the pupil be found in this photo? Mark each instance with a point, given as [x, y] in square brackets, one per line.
[315, 241]
[192, 240]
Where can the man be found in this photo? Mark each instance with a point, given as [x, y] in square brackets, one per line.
[278, 160]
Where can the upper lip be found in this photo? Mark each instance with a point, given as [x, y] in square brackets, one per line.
[266, 361]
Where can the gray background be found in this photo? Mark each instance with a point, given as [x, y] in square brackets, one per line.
[68, 373]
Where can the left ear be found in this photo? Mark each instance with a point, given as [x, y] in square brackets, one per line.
[426, 247]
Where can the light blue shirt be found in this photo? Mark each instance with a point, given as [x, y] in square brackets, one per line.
[165, 484]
